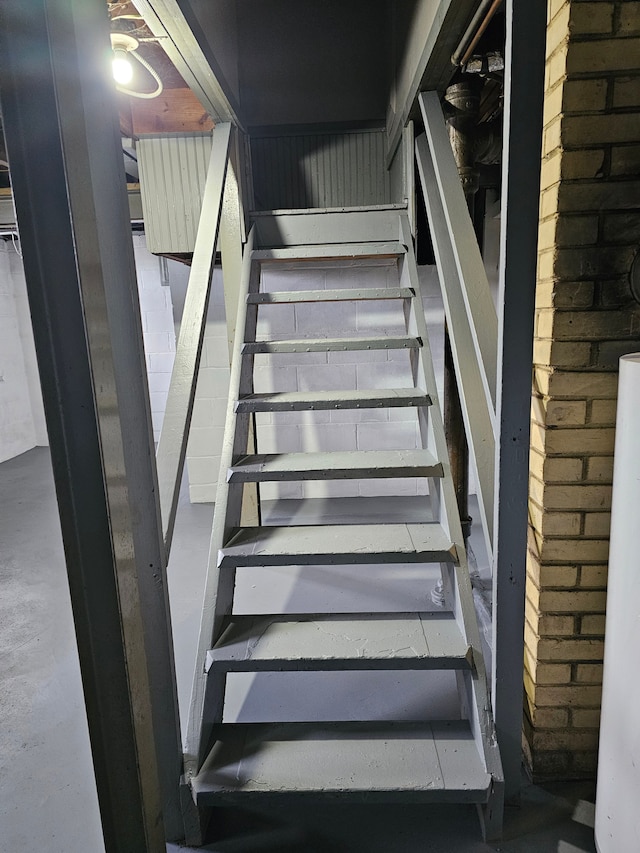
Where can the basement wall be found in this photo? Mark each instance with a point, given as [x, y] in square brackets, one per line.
[320, 430]
[585, 319]
[22, 422]
[17, 423]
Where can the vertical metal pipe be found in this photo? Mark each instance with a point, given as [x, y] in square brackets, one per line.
[62, 133]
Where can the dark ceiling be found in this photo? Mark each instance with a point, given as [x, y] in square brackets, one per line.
[289, 62]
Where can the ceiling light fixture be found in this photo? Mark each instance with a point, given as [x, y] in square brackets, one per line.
[125, 46]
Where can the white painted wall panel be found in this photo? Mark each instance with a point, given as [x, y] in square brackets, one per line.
[172, 175]
[320, 170]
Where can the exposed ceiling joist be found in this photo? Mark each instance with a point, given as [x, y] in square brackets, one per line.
[166, 20]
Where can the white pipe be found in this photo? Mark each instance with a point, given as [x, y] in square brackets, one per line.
[617, 825]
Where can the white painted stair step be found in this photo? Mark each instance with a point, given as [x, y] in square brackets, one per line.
[337, 544]
[371, 761]
[331, 344]
[340, 641]
[331, 251]
[288, 401]
[336, 465]
[335, 295]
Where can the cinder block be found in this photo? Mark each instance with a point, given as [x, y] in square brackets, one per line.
[202, 494]
[275, 438]
[400, 486]
[158, 402]
[325, 319]
[213, 382]
[386, 317]
[161, 362]
[159, 382]
[159, 342]
[276, 321]
[326, 377]
[203, 470]
[308, 419]
[267, 380]
[385, 375]
[359, 416]
[331, 437]
[157, 321]
[305, 278]
[205, 441]
[332, 489]
[392, 436]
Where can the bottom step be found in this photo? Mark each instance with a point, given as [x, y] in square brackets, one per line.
[361, 761]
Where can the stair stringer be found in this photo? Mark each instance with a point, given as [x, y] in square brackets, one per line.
[208, 693]
[473, 686]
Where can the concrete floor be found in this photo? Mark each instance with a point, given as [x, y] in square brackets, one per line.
[47, 795]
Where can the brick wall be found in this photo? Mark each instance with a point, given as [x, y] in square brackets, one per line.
[585, 319]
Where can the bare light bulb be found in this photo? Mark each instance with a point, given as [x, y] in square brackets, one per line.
[122, 68]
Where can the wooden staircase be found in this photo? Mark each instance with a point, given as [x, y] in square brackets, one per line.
[364, 760]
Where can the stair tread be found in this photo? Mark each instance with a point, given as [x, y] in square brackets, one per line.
[333, 295]
[332, 344]
[340, 641]
[365, 399]
[339, 544]
[344, 464]
[436, 762]
[330, 251]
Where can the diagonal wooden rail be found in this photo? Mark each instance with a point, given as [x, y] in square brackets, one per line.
[172, 447]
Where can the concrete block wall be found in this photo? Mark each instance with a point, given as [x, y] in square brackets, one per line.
[158, 329]
[17, 430]
[367, 429]
[210, 408]
[22, 422]
[586, 318]
[314, 431]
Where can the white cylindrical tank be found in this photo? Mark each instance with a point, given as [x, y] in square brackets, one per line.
[617, 827]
